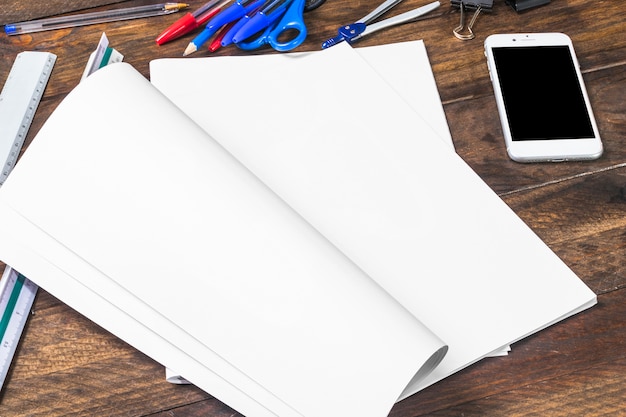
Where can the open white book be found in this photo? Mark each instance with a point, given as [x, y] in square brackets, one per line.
[287, 232]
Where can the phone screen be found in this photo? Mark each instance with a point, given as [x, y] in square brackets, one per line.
[541, 93]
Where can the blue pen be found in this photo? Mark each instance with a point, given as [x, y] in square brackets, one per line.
[261, 20]
[228, 38]
[230, 14]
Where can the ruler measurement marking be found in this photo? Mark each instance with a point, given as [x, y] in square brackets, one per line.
[19, 100]
[17, 295]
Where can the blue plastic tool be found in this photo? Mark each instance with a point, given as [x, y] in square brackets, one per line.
[360, 28]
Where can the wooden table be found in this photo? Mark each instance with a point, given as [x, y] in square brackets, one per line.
[66, 365]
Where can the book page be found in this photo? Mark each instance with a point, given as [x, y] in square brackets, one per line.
[338, 144]
[403, 66]
[154, 210]
[119, 312]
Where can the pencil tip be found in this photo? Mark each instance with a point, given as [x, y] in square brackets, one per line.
[191, 48]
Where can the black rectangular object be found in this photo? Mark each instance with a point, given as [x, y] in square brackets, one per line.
[521, 5]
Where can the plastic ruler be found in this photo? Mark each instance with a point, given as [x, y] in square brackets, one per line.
[19, 100]
[16, 299]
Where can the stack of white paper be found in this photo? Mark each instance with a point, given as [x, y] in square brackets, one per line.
[326, 243]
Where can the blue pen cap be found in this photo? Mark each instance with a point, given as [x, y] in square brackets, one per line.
[10, 29]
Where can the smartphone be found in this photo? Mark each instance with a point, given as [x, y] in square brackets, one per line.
[542, 101]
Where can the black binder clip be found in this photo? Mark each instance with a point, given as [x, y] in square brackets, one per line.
[463, 32]
[521, 5]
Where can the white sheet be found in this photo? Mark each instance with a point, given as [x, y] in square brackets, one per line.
[372, 175]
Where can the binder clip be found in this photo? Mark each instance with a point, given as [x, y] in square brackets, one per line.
[521, 5]
[463, 32]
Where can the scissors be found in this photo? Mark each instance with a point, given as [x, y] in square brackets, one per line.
[276, 19]
[359, 29]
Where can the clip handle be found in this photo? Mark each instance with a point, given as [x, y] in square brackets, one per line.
[470, 33]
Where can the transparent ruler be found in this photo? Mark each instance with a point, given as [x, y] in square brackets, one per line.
[19, 100]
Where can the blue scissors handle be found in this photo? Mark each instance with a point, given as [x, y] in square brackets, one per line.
[290, 22]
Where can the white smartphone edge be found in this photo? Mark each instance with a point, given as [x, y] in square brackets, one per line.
[555, 150]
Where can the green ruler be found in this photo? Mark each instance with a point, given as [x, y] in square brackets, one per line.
[16, 299]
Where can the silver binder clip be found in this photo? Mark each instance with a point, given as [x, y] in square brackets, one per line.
[469, 34]
[463, 32]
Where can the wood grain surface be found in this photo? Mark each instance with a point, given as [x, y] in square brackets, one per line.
[68, 366]
[20, 11]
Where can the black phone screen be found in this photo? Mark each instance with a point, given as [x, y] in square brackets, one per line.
[542, 95]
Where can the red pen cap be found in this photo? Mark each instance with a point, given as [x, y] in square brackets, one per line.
[184, 25]
[217, 41]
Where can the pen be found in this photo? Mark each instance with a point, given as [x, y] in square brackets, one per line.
[218, 41]
[227, 39]
[191, 21]
[93, 18]
[233, 12]
[261, 20]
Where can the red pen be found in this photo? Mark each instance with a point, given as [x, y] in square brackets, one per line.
[191, 21]
[216, 43]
